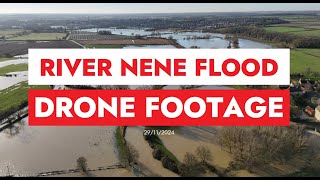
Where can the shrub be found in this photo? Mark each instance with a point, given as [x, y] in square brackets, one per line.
[169, 164]
[157, 154]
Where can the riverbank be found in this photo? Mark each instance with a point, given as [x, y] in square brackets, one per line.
[134, 136]
[15, 98]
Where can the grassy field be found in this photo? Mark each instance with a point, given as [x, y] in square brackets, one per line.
[40, 36]
[5, 59]
[284, 29]
[15, 95]
[299, 18]
[107, 46]
[301, 59]
[308, 33]
[7, 32]
[13, 68]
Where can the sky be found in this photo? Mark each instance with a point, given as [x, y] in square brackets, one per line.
[121, 8]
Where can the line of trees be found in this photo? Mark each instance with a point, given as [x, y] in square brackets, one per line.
[283, 39]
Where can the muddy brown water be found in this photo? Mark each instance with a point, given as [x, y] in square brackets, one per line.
[29, 150]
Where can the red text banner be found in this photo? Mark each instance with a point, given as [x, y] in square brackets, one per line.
[159, 108]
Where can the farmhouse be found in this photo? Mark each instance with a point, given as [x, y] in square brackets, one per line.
[317, 112]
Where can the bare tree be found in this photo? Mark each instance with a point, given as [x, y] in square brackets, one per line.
[190, 159]
[190, 166]
[204, 154]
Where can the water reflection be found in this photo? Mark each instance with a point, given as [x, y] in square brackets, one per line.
[12, 79]
[14, 129]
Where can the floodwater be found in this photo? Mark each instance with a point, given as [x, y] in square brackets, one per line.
[6, 82]
[17, 77]
[28, 150]
[10, 62]
[216, 41]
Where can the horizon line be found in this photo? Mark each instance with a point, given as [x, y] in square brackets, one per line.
[164, 12]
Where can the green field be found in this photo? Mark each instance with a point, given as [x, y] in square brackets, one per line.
[313, 27]
[6, 32]
[107, 46]
[284, 29]
[40, 36]
[5, 59]
[301, 59]
[308, 33]
[15, 95]
[299, 18]
[13, 68]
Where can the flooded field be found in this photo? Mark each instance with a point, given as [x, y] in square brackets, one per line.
[10, 62]
[6, 82]
[27, 150]
[216, 40]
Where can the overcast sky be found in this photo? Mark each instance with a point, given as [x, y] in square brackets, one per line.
[119, 8]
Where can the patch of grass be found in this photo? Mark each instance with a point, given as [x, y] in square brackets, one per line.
[5, 59]
[301, 59]
[6, 32]
[14, 96]
[13, 68]
[107, 46]
[284, 29]
[308, 33]
[123, 150]
[40, 36]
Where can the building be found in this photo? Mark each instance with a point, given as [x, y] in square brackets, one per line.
[317, 113]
